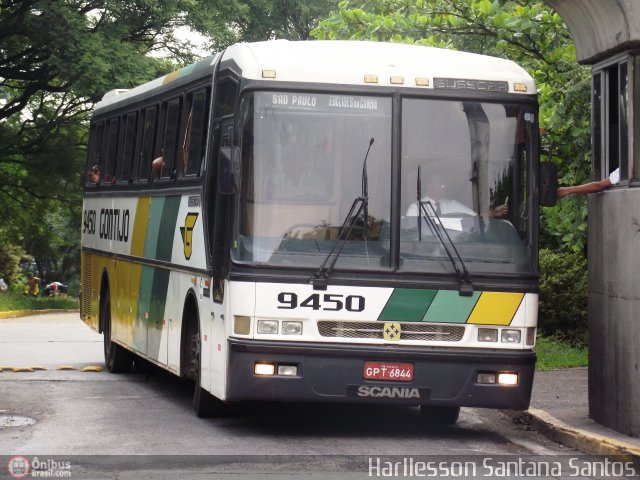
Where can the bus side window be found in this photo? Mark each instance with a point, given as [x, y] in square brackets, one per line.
[112, 152]
[170, 140]
[193, 147]
[97, 131]
[126, 165]
[148, 142]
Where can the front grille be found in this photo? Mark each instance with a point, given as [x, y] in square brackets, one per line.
[373, 330]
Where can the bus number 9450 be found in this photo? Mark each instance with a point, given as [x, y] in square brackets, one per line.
[328, 301]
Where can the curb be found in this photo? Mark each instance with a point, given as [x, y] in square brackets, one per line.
[26, 313]
[61, 368]
[588, 442]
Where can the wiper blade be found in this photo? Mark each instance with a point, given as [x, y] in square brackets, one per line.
[465, 286]
[360, 206]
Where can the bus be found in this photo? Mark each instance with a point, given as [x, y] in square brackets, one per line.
[320, 221]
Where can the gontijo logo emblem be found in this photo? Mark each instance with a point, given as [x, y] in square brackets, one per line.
[19, 467]
[391, 331]
[187, 233]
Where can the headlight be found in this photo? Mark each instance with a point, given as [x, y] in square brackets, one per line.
[487, 334]
[267, 326]
[510, 336]
[291, 328]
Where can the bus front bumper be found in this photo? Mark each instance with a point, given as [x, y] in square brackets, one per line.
[335, 373]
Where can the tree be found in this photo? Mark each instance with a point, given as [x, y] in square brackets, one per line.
[527, 32]
[58, 58]
[230, 21]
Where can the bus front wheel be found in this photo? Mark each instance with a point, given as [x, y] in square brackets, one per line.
[204, 404]
[116, 358]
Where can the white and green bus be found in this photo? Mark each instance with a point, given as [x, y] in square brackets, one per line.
[320, 221]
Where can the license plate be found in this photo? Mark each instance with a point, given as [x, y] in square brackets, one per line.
[396, 372]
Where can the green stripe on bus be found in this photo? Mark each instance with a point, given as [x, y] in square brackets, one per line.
[144, 307]
[450, 307]
[153, 228]
[167, 227]
[407, 305]
[158, 297]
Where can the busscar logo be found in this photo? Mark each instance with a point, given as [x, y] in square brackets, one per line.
[187, 233]
[388, 392]
[19, 467]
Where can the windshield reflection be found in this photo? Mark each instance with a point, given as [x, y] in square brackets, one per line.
[473, 161]
[302, 170]
[302, 159]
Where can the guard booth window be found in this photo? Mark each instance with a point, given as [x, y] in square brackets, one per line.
[610, 97]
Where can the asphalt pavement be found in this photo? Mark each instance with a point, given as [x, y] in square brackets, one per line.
[559, 403]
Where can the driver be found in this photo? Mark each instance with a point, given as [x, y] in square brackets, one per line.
[436, 189]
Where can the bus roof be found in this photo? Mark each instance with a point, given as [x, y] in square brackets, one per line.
[348, 62]
[352, 63]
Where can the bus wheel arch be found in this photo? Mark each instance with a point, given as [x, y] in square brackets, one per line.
[117, 359]
[204, 404]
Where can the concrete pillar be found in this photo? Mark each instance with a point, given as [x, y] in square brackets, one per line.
[607, 36]
[614, 309]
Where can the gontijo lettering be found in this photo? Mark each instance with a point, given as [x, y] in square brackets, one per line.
[114, 224]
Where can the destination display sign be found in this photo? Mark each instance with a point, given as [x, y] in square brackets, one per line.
[321, 102]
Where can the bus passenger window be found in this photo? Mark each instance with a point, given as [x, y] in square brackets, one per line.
[112, 151]
[126, 165]
[226, 98]
[148, 141]
[194, 144]
[170, 141]
[97, 132]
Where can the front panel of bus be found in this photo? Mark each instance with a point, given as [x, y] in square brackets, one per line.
[383, 247]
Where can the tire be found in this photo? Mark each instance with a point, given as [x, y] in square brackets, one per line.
[439, 416]
[116, 358]
[204, 404]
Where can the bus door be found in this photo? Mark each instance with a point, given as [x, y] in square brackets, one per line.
[223, 112]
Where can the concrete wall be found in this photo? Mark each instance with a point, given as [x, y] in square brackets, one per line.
[614, 309]
[600, 28]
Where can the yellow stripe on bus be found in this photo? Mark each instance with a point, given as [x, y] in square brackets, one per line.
[140, 227]
[496, 308]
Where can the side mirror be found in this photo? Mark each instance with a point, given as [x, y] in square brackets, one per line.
[548, 184]
[229, 170]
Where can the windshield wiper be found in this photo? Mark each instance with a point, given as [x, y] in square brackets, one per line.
[465, 286]
[360, 206]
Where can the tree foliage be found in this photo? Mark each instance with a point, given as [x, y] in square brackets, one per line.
[58, 58]
[527, 32]
[230, 21]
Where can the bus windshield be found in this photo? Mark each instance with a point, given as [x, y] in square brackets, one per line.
[303, 166]
[472, 159]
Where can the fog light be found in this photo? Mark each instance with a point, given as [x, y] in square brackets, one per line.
[487, 334]
[505, 378]
[292, 328]
[287, 370]
[531, 336]
[510, 336]
[241, 325]
[264, 369]
[487, 378]
[267, 326]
